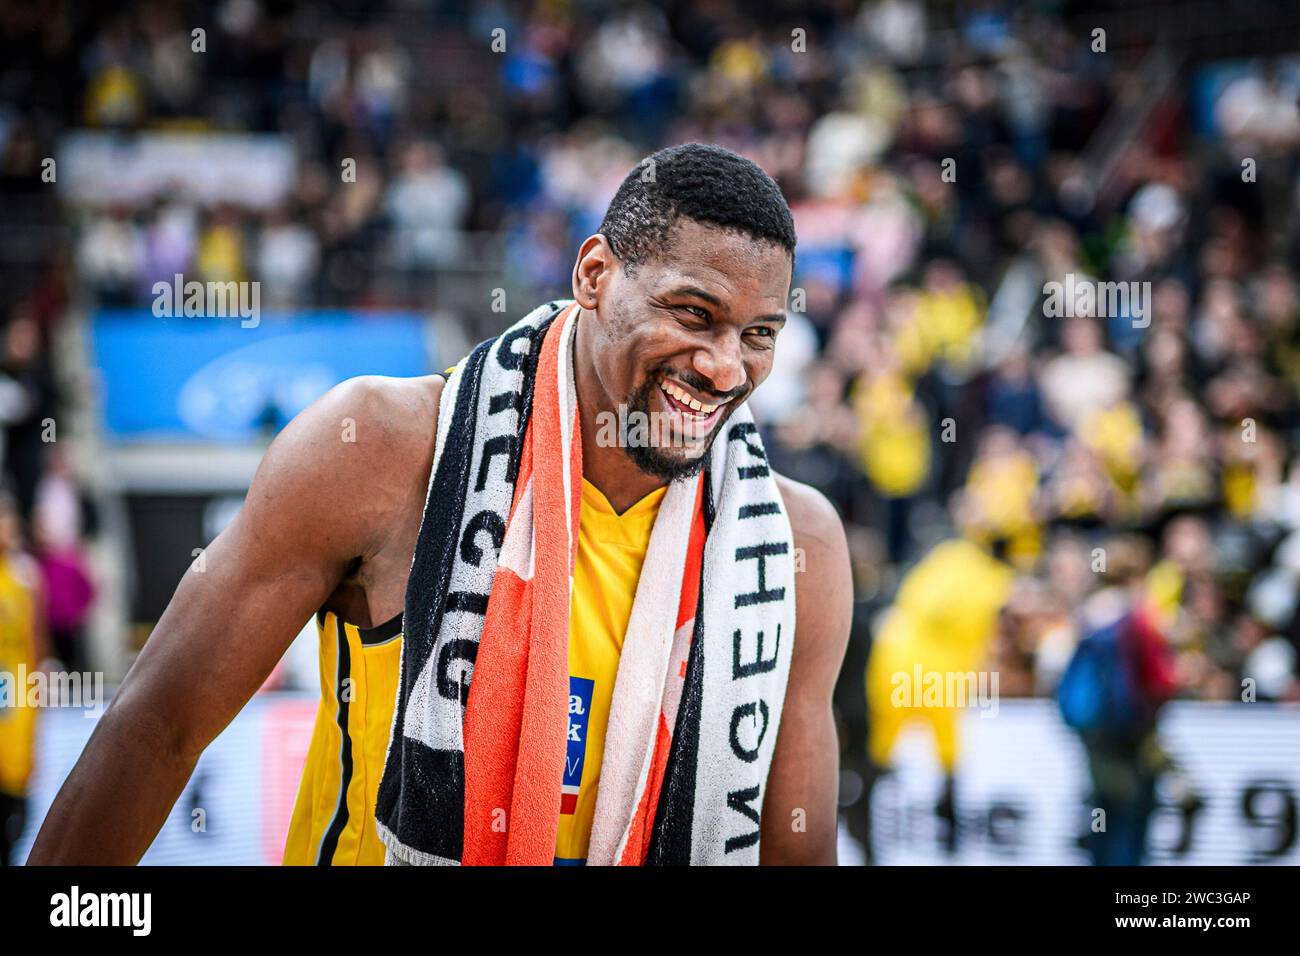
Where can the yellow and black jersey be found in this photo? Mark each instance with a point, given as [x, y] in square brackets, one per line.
[334, 817]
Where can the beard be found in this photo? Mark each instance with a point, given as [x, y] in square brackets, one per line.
[668, 463]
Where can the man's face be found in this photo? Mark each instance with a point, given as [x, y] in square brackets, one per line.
[684, 338]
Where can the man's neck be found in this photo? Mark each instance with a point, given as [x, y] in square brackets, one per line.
[608, 468]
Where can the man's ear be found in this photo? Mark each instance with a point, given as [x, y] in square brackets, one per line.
[596, 264]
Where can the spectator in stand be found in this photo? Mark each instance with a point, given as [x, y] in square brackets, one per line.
[1121, 675]
[22, 652]
[1085, 377]
[427, 204]
[67, 586]
[26, 407]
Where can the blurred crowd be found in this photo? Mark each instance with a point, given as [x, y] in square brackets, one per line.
[937, 167]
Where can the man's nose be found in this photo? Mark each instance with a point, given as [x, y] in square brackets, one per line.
[721, 364]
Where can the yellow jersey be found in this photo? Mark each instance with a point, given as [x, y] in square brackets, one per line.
[942, 622]
[333, 819]
[611, 548]
[17, 661]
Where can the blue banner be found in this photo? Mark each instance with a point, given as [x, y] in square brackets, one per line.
[212, 379]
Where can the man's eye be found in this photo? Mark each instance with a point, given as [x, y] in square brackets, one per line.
[696, 311]
[764, 331]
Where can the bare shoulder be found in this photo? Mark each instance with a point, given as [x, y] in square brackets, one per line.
[386, 425]
[402, 412]
[350, 463]
[382, 431]
[814, 520]
[823, 583]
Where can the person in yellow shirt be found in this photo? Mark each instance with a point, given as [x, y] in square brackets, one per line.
[943, 327]
[942, 622]
[611, 550]
[679, 298]
[220, 256]
[21, 651]
[893, 446]
[1114, 434]
[1002, 487]
[333, 819]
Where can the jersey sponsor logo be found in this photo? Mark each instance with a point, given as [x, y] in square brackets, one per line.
[580, 689]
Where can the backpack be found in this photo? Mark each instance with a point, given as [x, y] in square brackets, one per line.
[1099, 695]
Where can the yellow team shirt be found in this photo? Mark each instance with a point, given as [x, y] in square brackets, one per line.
[17, 658]
[333, 822]
[611, 548]
[894, 450]
[333, 819]
[942, 621]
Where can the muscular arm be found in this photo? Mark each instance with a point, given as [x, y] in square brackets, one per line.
[318, 505]
[799, 810]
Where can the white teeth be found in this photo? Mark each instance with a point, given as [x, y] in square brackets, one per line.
[699, 407]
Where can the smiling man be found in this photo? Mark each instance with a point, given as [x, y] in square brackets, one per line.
[500, 682]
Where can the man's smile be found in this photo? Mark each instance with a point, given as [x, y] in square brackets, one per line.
[694, 416]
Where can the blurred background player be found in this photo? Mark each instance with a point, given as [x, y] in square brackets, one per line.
[941, 626]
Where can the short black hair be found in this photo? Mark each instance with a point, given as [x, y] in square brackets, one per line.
[708, 184]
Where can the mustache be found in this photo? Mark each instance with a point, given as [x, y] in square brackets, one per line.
[704, 386]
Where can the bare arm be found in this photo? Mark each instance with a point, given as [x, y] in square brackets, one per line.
[799, 809]
[317, 504]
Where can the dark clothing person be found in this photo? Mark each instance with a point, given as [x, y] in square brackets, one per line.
[1120, 677]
